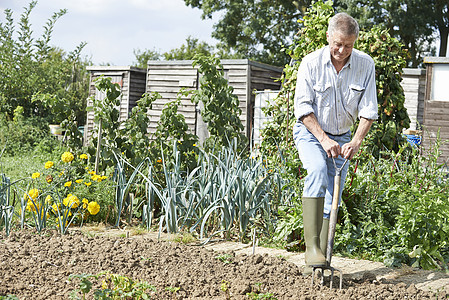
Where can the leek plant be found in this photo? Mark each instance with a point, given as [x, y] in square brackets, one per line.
[123, 184]
[222, 191]
[6, 207]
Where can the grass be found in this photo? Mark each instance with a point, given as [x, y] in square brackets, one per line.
[21, 166]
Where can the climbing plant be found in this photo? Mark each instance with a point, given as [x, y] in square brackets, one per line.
[389, 58]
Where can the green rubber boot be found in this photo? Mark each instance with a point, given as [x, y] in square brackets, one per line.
[323, 236]
[323, 244]
[312, 211]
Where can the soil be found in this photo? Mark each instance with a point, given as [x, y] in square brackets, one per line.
[38, 266]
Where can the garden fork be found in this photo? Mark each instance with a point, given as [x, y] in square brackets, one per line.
[331, 234]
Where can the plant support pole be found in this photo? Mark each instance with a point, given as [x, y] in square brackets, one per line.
[97, 155]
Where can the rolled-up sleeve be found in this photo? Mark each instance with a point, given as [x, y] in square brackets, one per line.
[368, 103]
[304, 93]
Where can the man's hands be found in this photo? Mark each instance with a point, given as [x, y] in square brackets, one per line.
[332, 148]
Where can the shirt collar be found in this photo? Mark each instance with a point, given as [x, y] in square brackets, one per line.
[327, 57]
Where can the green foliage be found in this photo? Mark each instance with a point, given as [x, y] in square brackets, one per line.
[142, 57]
[396, 209]
[172, 128]
[389, 59]
[188, 51]
[257, 30]
[42, 79]
[225, 194]
[414, 22]
[221, 109]
[25, 136]
[113, 286]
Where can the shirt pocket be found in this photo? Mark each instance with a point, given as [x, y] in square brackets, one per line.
[354, 96]
[322, 94]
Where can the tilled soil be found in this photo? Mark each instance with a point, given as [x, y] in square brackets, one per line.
[38, 266]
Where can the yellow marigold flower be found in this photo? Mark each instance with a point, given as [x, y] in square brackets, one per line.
[159, 161]
[68, 184]
[49, 178]
[88, 183]
[71, 201]
[104, 177]
[35, 175]
[194, 145]
[67, 157]
[85, 203]
[55, 208]
[32, 206]
[33, 193]
[83, 156]
[49, 164]
[93, 208]
[96, 177]
[78, 180]
[48, 199]
[91, 172]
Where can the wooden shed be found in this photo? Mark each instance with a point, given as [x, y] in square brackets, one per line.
[132, 83]
[245, 76]
[414, 85]
[436, 104]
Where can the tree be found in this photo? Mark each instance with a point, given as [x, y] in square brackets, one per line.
[142, 57]
[254, 29]
[43, 80]
[413, 22]
[188, 50]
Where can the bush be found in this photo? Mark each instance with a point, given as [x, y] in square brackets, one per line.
[30, 135]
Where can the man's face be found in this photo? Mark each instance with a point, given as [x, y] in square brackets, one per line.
[340, 46]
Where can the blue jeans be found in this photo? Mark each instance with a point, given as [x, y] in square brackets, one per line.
[319, 181]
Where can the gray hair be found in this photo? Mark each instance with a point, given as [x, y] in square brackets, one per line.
[344, 23]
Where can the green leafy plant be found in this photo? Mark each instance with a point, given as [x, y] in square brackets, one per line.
[220, 106]
[224, 258]
[36, 76]
[395, 209]
[114, 286]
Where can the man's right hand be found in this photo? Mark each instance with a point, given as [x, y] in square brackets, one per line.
[331, 147]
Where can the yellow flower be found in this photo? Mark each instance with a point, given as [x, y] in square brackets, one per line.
[88, 183]
[71, 201]
[194, 145]
[33, 193]
[49, 178]
[83, 156]
[32, 206]
[159, 161]
[104, 177]
[48, 164]
[78, 180]
[67, 157]
[96, 178]
[93, 208]
[68, 184]
[85, 203]
[35, 175]
[48, 199]
[91, 172]
[55, 208]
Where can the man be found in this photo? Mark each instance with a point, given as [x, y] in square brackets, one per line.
[335, 86]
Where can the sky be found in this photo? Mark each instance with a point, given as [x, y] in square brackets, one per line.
[112, 29]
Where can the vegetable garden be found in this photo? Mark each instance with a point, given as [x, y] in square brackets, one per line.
[395, 203]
